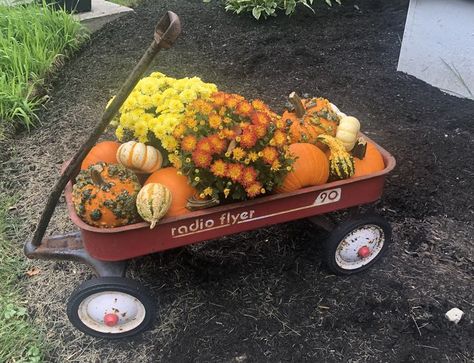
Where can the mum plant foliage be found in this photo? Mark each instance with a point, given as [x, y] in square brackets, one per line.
[232, 148]
[156, 106]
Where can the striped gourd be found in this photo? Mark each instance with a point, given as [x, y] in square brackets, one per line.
[341, 163]
[153, 202]
[139, 157]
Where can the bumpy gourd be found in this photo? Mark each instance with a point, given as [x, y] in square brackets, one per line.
[310, 168]
[139, 157]
[104, 195]
[347, 131]
[341, 163]
[153, 202]
[310, 119]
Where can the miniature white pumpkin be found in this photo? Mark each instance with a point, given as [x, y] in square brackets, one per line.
[153, 202]
[347, 131]
[139, 157]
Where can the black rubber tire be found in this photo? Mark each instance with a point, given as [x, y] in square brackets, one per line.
[342, 230]
[119, 284]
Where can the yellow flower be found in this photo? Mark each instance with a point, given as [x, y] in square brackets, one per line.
[208, 191]
[253, 156]
[238, 153]
[226, 192]
[119, 132]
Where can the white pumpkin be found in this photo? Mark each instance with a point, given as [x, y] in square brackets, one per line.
[347, 131]
[139, 157]
[337, 111]
[153, 202]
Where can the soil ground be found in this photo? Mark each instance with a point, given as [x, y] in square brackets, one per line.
[265, 295]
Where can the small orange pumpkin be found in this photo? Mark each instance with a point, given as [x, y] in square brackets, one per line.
[310, 168]
[178, 186]
[367, 158]
[310, 119]
[104, 151]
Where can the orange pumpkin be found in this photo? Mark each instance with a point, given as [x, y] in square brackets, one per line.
[310, 119]
[178, 186]
[105, 151]
[310, 168]
[104, 195]
[369, 163]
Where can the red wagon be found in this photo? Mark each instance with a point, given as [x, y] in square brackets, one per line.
[112, 306]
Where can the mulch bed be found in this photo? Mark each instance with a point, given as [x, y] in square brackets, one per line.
[265, 295]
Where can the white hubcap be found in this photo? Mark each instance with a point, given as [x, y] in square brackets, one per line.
[128, 312]
[359, 247]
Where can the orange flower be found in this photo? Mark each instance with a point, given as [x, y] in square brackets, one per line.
[243, 108]
[280, 123]
[259, 118]
[179, 131]
[254, 189]
[228, 134]
[259, 105]
[248, 139]
[219, 168]
[249, 176]
[215, 121]
[218, 145]
[204, 145]
[218, 99]
[260, 130]
[189, 143]
[191, 122]
[269, 154]
[279, 137]
[234, 171]
[202, 159]
[232, 100]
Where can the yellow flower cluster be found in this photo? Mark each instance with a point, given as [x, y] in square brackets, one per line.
[156, 106]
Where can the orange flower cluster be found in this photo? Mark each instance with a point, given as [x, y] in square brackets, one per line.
[230, 146]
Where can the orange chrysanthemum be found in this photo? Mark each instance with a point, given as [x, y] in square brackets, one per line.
[189, 143]
[218, 145]
[248, 139]
[269, 154]
[249, 176]
[243, 108]
[201, 159]
[254, 189]
[260, 118]
[204, 145]
[179, 131]
[279, 138]
[238, 153]
[259, 105]
[191, 122]
[215, 121]
[219, 168]
[234, 171]
[232, 100]
[228, 134]
[260, 130]
[218, 99]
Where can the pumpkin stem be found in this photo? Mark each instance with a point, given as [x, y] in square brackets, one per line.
[96, 177]
[297, 103]
[360, 148]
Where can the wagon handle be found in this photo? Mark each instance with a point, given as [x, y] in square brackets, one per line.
[166, 32]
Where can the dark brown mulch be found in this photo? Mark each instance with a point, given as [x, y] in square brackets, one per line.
[264, 295]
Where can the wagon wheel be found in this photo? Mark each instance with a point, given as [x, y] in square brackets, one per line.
[356, 244]
[111, 307]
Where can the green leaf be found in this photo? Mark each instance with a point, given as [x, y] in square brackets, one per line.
[256, 13]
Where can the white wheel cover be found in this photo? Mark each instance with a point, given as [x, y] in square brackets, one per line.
[347, 253]
[130, 311]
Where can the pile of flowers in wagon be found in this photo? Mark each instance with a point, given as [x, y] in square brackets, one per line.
[184, 145]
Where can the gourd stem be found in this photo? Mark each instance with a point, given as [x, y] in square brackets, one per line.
[97, 178]
[360, 148]
[297, 103]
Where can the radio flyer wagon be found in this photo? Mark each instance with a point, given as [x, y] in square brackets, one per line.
[112, 306]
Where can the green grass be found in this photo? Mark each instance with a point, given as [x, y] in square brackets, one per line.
[32, 40]
[19, 342]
